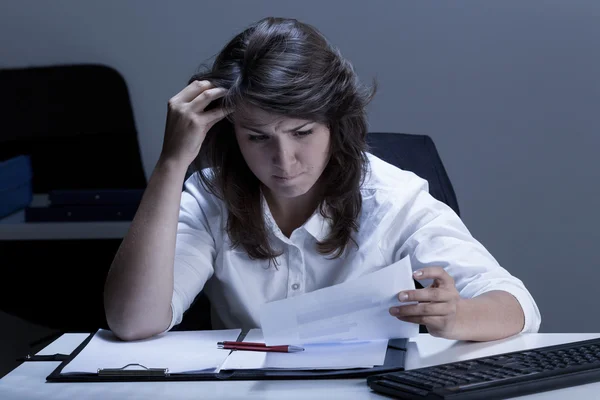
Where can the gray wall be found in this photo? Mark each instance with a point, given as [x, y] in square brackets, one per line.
[508, 90]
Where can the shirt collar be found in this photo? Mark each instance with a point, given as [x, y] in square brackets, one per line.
[316, 225]
[269, 220]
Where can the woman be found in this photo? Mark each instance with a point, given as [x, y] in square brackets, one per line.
[291, 202]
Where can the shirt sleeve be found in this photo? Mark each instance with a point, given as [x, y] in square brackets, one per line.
[432, 234]
[194, 248]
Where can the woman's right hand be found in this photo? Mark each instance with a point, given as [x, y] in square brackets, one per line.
[188, 123]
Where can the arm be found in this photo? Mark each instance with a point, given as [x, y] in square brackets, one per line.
[490, 316]
[140, 284]
[481, 298]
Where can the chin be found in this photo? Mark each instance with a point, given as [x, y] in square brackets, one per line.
[290, 192]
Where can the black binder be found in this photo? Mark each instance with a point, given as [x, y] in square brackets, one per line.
[394, 361]
[95, 197]
[81, 213]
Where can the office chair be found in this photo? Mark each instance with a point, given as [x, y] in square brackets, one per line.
[76, 123]
[416, 153]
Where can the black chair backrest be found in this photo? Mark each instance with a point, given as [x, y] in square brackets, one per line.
[416, 153]
[76, 122]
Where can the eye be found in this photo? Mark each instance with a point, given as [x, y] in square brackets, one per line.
[257, 138]
[304, 133]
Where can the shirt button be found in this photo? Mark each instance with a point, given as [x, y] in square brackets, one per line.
[295, 286]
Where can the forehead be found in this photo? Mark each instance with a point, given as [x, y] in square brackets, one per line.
[256, 117]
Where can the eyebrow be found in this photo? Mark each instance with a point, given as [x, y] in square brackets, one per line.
[287, 131]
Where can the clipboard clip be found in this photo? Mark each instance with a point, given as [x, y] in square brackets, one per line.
[127, 371]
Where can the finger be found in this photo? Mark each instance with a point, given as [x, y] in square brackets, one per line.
[205, 98]
[191, 91]
[428, 294]
[414, 320]
[422, 309]
[438, 274]
[213, 116]
[427, 321]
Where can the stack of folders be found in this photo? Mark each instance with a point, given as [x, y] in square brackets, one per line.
[343, 331]
[87, 206]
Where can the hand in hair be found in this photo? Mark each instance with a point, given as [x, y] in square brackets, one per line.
[188, 121]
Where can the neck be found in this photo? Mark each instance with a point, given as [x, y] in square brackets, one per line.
[291, 213]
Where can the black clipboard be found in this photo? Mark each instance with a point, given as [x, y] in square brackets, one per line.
[394, 361]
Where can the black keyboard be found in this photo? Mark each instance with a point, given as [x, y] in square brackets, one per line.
[497, 377]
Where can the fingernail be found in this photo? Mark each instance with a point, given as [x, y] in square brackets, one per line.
[418, 273]
[403, 296]
[394, 311]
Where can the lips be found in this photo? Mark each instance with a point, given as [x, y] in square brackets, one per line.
[286, 178]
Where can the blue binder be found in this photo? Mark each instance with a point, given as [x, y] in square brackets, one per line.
[15, 184]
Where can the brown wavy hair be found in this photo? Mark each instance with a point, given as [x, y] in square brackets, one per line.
[287, 68]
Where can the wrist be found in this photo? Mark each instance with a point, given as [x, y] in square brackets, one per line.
[461, 328]
[172, 165]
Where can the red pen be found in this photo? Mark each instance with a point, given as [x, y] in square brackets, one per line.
[249, 346]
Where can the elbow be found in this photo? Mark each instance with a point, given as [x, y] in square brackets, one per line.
[125, 334]
[130, 331]
[128, 326]
[128, 335]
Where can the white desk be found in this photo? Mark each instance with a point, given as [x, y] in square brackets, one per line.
[28, 380]
[14, 227]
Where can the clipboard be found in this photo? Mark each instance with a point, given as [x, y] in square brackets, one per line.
[394, 361]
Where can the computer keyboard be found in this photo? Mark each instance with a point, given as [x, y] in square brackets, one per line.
[497, 377]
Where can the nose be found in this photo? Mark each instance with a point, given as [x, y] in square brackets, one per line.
[284, 156]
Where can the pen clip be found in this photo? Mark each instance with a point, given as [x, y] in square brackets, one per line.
[229, 343]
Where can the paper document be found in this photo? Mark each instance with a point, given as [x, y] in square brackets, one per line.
[343, 355]
[355, 310]
[180, 352]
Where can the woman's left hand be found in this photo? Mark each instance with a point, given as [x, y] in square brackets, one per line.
[437, 305]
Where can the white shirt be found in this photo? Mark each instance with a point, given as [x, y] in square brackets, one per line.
[399, 218]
